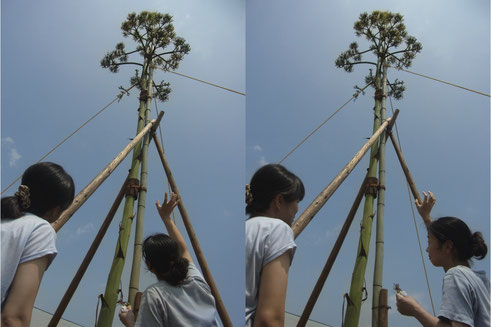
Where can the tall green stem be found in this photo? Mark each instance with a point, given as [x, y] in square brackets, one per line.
[111, 293]
[137, 252]
[379, 235]
[356, 290]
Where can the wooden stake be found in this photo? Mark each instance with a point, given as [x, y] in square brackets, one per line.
[136, 309]
[88, 258]
[321, 199]
[101, 177]
[332, 257]
[383, 308]
[194, 240]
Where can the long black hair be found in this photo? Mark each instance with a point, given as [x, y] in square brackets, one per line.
[466, 243]
[162, 254]
[269, 181]
[44, 186]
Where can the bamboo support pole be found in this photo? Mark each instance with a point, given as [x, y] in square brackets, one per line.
[194, 240]
[83, 195]
[379, 225]
[383, 308]
[321, 199]
[88, 258]
[108, 305]
[353, 309]
[405, 168]
[332, 257]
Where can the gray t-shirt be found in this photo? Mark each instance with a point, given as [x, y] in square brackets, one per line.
[266, 239]
[24, 239]
[188, 304]
[465, 297]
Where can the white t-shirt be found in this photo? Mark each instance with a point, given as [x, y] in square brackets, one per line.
[24, 239]
[465, 297]
[265, 240]
[188, 304]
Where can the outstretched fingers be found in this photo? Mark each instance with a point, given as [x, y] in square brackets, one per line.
[432, 197]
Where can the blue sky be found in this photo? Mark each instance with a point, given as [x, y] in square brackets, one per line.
[52, 82]
[293, 85]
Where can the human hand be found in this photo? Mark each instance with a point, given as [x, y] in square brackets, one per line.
[166, 208]
[424, 208]
[127, 316]
[407, 305]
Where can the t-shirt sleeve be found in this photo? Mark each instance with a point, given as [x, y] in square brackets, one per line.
[456, 299]
[151, 312]
[193, 271]
[41, 242]
[279, 241]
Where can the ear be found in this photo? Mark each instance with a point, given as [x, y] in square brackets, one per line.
[277, 201]
[448, 247]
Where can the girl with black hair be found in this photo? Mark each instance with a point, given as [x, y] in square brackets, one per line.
[181, 297]
[451, 245]
[28, 240]
[272, 202]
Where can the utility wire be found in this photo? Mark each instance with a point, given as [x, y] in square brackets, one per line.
[74, 132]
[325, 121]
[439, 80]
[199, 80]
[414, 219]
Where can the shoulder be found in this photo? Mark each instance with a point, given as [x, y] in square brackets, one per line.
[463, 272]
[268, 225]
[464, 278]
[28, 226]
[193, 271]
[28, 222]
[31, 236]
[195, 276]
[269, 239]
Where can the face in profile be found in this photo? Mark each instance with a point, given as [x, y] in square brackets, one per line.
[435, 251]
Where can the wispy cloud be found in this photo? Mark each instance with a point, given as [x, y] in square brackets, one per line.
[333, 232]
[262, 161]
[13, 154]
[8, 140]
[87, 228]
[257, 148]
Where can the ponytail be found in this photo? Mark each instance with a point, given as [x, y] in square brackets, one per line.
[178, 271]
[162, 254]
[478, 246]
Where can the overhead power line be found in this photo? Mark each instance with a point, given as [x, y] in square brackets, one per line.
[202, 81]
[325, 121]
[74, 132]
[441, 81]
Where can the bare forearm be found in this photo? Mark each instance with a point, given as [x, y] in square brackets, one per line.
[265, 320]
[175, 234]
[428, 320]
[427, 220]
[14, 322]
